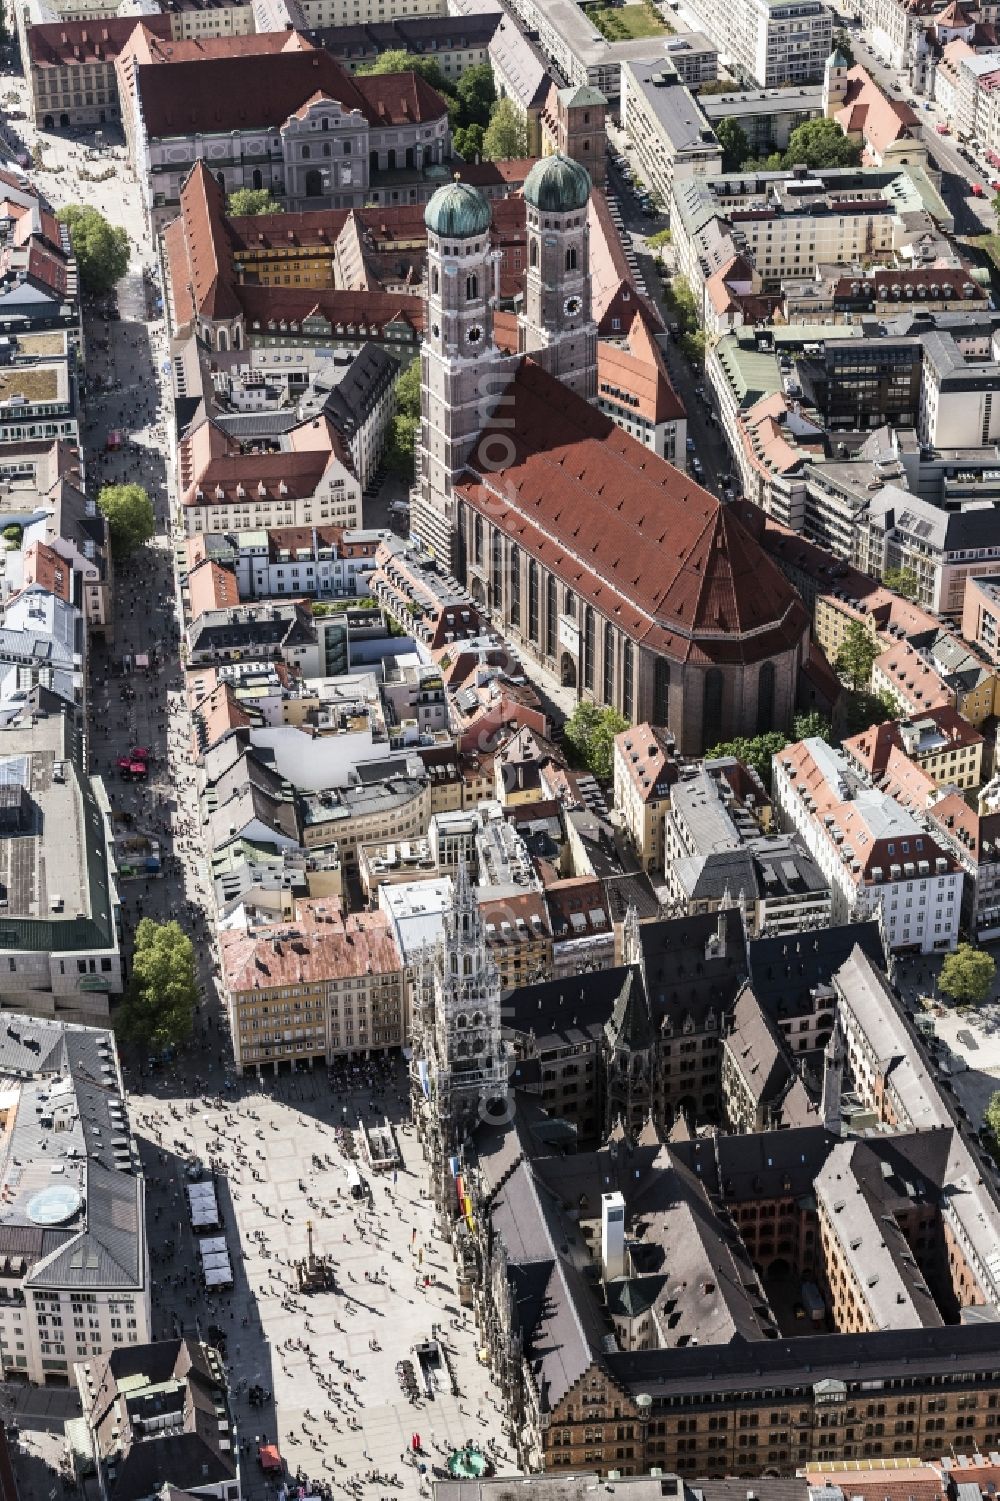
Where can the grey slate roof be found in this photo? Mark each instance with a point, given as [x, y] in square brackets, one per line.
[160, 1416]
[70, 1115]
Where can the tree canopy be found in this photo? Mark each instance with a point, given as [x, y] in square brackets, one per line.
[399, 454]
[842, 43]
[590, 734]
[735, 144]
[901, 581]
[468, 141]
[101, 249]
[967, 974]
[821, 143]
[857, 654]
[991, 1117]
[754, 751]
[131, 519]
[252, 201]
[863, 709]
[808, 726]
[506, 135]
[159, 1005]
[399, 61]
[476, 94]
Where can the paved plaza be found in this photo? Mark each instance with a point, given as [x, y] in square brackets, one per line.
[328, 1360]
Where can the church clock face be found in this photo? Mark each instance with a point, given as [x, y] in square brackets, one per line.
[474, 335]
[572, 306]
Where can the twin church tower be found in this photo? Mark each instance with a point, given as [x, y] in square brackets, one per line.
[463, 373]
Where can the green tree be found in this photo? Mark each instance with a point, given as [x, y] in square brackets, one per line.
[754, 751]
[131, 520]
[401, 447]
[590, 734]
[408, 390]
[693, 344]
[468, 141]
[399, 61]
[682, 302]
[863, 709]
[821, 143]
[735, 146]
[661, 238]
[716, 86]
[477, 95]
[991, 1117]
[967, 975]
[159, 1005]
[808, 726]
[506, 135]
[842, 43]
[857, 654]
[252, 201]
[901, 581]
[101, 249]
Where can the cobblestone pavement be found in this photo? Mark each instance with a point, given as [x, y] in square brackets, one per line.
[326, 1361]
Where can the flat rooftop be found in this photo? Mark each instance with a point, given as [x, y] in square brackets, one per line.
[35, 383]
[56, 888]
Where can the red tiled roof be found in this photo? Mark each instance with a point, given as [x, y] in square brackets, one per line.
[969, 830]
[627, 531]
[918, 683]
[211, 587]
[44, 567]
[67, 44]
[640, 371]
[871, 748]
[327, 948]
[956, 281]
[241, 92]
[913, 1483]
[216, 715]
[399, 98]
[878, 117]
[150, 46]
[201, 265]
[47, 266]
[373, 310]
[279, 231]
[834, 814]
[495, 174]
[299, 473]
[648, 761]
[907, 782]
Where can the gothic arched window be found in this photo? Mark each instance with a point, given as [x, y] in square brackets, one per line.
[765, 698]
[571, 259]
[711, 716]
[533, 253]
[471, 288]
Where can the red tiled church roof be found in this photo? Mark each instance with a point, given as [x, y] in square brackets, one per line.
[627, 531]
[237, 93]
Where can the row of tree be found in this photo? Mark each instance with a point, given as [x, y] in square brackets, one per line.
[481, 124]
[814, 143]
